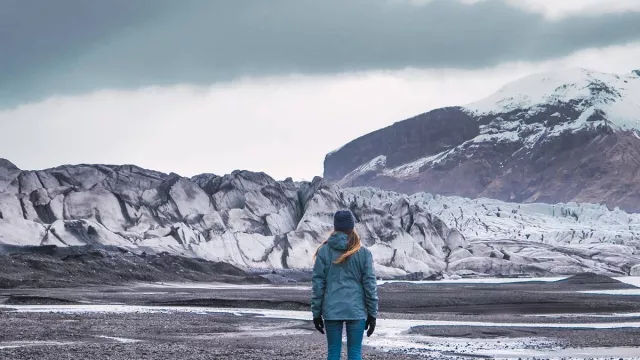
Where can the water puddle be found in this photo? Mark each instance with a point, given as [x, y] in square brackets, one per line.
[626, 292]
[19, 344]
[584, 315]
[631, 280]
[585, 353]
[295, 315]
[119, 339]
[268, 333]
[499, 348]
[478, 281]
[444, 346]
[221, 286]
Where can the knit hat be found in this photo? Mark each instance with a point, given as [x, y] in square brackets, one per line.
[343, 221]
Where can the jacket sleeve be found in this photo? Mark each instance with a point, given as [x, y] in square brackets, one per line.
[319, 283]
[370, 286]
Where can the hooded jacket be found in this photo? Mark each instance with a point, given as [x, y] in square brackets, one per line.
[344, 291]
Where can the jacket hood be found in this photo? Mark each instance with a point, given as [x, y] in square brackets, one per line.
[339, 241]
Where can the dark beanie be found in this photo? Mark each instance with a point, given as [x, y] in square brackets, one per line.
[343, 221]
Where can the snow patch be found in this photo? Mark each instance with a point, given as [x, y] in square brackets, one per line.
[618, 96]
[412, 167]
[375, 165]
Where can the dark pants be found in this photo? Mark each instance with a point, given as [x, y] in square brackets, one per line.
[355, 333]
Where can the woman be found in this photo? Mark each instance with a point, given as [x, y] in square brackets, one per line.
[344, 289]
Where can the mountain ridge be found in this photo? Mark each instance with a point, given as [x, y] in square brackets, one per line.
[557, 137]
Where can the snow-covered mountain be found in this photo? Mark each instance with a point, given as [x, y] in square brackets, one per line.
[249, 219]
[557, 137]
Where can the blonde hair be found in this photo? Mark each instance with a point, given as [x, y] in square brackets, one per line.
[353, 246]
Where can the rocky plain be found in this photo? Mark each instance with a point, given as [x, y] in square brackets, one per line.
[118, 305]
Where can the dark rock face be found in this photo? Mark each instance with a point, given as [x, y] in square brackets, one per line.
[593, 166]
[406, 141]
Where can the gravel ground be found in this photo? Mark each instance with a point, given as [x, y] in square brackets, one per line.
[162, 336]
[57, 267]
[190, 335]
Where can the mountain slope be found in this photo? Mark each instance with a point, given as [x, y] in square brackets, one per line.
[559, 137]
[252, 221]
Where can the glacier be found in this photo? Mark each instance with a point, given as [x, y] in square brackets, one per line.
[253, 221]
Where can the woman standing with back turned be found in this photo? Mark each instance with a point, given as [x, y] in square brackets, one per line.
[344, 289]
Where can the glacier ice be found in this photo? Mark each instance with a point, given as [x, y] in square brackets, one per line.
[251, 220]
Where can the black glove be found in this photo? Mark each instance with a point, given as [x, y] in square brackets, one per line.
[319, 324]
[370, 325]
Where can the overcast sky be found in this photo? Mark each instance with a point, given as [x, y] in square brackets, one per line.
[198, 86]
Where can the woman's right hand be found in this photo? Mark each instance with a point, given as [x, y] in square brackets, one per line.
[319, 324]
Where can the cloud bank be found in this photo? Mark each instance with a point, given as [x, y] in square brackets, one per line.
[77, 46]
[283, 126]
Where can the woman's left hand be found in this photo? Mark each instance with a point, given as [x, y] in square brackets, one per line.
[370, 325]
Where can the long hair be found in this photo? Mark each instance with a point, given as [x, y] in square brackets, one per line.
[353, 246]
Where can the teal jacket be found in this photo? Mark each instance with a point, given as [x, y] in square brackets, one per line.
[344, 291]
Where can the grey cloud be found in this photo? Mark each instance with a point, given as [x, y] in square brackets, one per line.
[76, 46]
